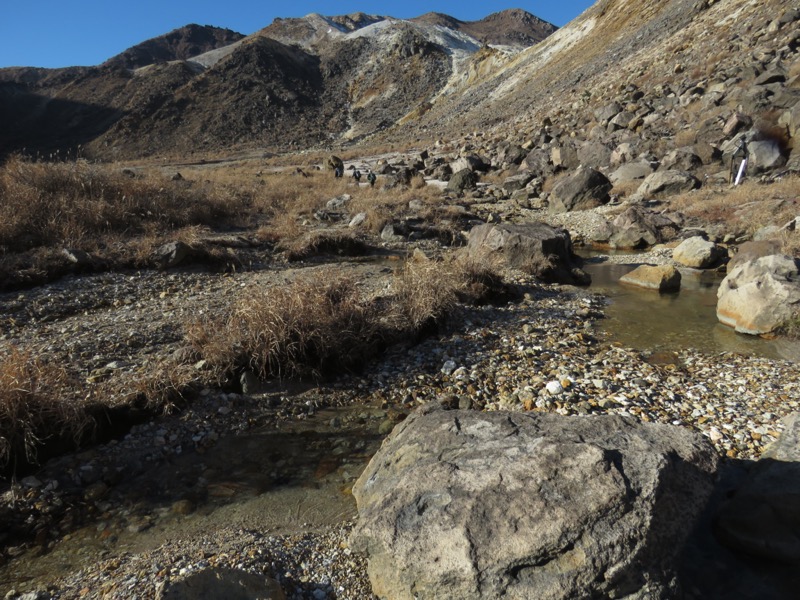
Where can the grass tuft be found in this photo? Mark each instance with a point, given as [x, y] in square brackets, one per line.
[33, 410]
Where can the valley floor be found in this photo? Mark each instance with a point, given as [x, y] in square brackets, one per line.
[197, 490]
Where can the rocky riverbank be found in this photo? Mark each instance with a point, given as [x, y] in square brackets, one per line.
[542, 353]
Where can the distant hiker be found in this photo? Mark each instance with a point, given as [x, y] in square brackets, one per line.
[371, 178]
[357, 175]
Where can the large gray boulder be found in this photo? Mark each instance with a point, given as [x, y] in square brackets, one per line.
[463, 504]
[473, 162]
[668, 183]
[639, 227]
[564, 157]
[763, 517]
[594, 155]
[764, 155]
[681, 159]
[631, 171]
[584, 189]
[538, 248]
[463, 180]
[538, 162]
[760, 296]
[753, 250]
[698, 253]
[517, 182]
[172, 254]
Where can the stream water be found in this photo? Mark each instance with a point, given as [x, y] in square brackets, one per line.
[285, 480]
[646, 320]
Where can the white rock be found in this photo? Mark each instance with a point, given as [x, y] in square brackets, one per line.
[555, 388]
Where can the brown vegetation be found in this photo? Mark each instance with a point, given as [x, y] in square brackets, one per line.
[36, 407]
[79, 204]
[313, 328]
[746, 208]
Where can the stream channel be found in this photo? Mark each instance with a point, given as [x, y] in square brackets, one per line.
[298, 477]
[653, 322]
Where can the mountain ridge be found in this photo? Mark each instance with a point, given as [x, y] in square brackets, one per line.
[370, 72]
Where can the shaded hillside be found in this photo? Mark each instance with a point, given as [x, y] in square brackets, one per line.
[179, 44]
[262, 90]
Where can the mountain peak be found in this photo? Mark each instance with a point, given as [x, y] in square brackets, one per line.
[182, 43]
[512, 27]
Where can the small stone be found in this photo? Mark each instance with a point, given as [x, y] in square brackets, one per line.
[554, 388]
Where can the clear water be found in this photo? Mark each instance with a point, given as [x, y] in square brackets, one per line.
[646, 320]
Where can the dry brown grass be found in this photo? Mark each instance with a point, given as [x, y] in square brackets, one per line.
[304, 330]
[625, 189]
[425, 292]
[36, 407]
[77, 204]
[163, 389]
[747, 207]
[315, 328]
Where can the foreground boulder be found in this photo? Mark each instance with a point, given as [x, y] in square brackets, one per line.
[463, 504]
[763, 517]
[537, 248]
[760, 296]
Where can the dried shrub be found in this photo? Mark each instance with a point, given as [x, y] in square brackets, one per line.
[164, 388]
[479, 280]
[37, 406]
[314, 328]
[304, 330]
[329, 241]
[624, 189]
[426, 293]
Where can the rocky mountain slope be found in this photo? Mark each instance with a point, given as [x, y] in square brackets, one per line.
[672, 67]
[295, 84]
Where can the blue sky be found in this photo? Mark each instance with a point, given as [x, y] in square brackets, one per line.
[56, 33]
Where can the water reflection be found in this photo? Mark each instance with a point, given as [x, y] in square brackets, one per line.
[647, 320]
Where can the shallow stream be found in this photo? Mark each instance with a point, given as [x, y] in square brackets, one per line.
[646, 320]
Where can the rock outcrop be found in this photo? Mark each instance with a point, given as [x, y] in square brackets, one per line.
[760, 296]
[463, 504]
[698, 253]
[538, 248]
[584, 189]
[637, 227]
